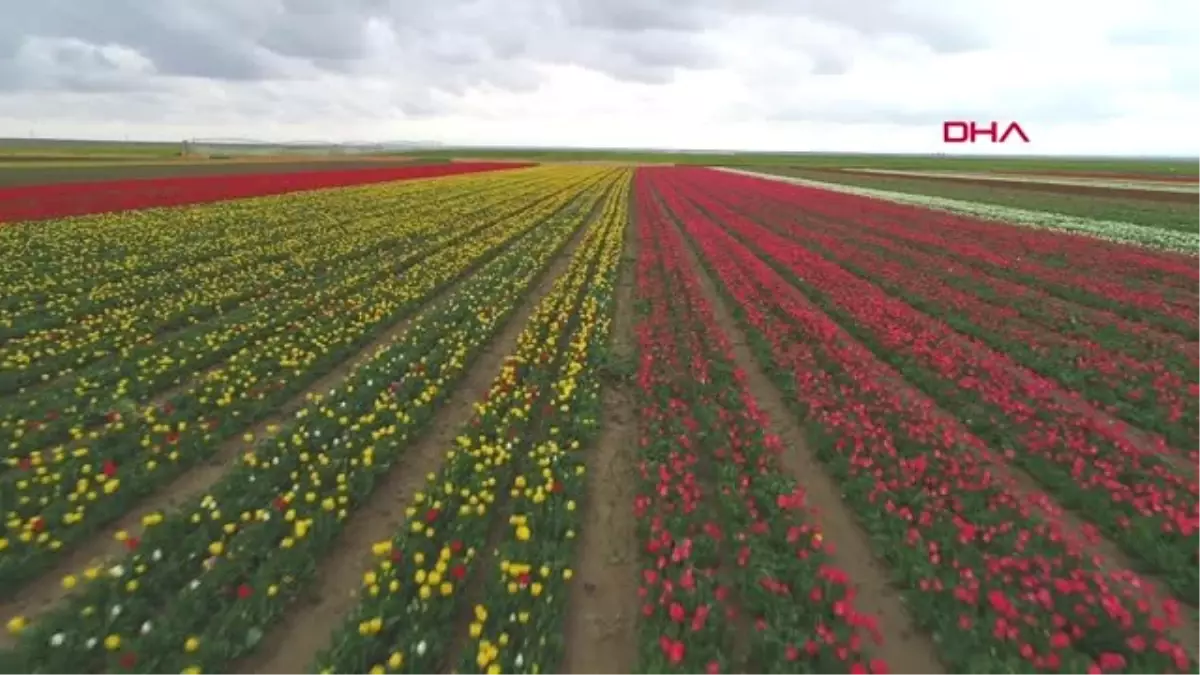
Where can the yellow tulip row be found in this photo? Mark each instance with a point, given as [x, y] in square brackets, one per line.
[113, 256]
[518, 627]
[53, 341]
[66, 409]
[211, 577]
[57, 267]
[66, 493]
[410, 596]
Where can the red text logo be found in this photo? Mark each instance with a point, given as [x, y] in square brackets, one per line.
[967, 132]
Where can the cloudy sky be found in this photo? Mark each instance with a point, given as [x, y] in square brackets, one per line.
[1107, 76]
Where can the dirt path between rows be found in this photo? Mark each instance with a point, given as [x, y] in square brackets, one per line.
[603, 606]
[905, 647]
[1111, 175]
[291, 645]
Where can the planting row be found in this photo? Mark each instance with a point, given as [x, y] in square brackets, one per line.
[503, 512]
[726, 536]
[998, 584]
[38, 202]
[172, 268]
[1142, 381]
[201, 585]
[322, 282]
[1145, 503]
[56, 496]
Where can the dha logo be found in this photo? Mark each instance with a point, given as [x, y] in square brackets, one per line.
[968, 132]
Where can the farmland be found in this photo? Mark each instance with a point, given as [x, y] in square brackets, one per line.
[483, 416]
[1172, 206]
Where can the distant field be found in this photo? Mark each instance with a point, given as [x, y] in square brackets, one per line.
[1183, 185]
[1142, 207]
[13, 175]
[1176, 167]
[58, 151]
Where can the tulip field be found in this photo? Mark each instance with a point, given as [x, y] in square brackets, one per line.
[506, 418]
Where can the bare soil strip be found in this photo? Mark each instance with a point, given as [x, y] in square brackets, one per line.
[291, 646]
[1105, 175]
[906, 648]
[603, 607]
[1059, 187]
[1090, 181]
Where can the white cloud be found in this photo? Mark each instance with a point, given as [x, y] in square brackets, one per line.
[877, 75]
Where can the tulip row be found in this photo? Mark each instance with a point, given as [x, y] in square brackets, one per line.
[675, 513]
[969, 251]
[138, 309]
[547, 493]
[524, 439]
[998, 587]
[753, 532]
[56, 200]
[1144, 503]
[1155, 288]
[201, 585]
[65, 269]
[63, 410]
[63, 496]
[1151, 394]
[218, 239]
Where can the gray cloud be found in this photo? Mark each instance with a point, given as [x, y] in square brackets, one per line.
[349, 64]
[240, 40]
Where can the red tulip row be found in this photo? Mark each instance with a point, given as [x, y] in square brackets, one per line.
[1106, 328]
[38, 202]
[1148, 393]
[1145, 504]
[1156, 288]
[1000, 586]
[726, 534]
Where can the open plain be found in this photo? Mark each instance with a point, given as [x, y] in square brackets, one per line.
[493, 416]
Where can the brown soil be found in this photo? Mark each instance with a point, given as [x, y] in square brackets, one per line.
[1113, 175]
[1054, 188]
[603, 606]
[291, 645]
[905, 648]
